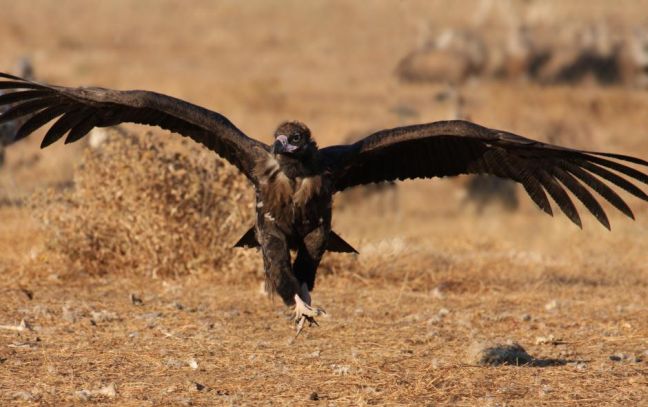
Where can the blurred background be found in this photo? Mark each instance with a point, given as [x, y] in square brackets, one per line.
[442, 262]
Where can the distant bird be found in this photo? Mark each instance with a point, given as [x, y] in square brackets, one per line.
[295, 180]
[592, 55]
[633, 58]
[484, 190]
[452, 58]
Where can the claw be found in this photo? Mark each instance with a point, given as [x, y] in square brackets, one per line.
[304, 312]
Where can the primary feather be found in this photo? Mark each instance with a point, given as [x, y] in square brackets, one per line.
[456, 147]
[80, 109]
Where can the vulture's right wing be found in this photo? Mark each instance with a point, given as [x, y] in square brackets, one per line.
[80, 109]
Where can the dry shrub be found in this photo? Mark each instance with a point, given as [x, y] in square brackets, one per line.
[152, 205]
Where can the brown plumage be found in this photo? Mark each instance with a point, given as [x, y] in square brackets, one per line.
[295, 181]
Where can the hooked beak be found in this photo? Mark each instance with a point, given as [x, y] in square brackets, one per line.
[281, 145]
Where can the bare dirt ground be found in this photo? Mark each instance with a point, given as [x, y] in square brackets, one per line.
[432, 284]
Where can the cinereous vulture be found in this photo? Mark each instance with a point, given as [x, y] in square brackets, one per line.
[295, 180]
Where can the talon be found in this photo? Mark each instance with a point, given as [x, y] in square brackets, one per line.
[304, 312]
[300, 325]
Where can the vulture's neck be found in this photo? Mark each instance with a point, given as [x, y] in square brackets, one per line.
[299, 167]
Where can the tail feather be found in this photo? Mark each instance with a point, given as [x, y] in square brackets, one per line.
[248, 240]
[335, 242]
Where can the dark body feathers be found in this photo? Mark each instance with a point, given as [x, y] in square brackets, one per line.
[295, 180]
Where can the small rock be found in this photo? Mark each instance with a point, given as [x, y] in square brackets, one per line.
[28, 293]
[509, 353]
[107, 391]
[23, 326]
[412, 318]
[341, 370]
[83, 395]
[313, 396]
[198, 386]
[579, 365]
[135, 300]
[435, 363]
[525, 317]
[438, 318]
[551, 305]
[437, 292]
[544, 390]
[192, 363]
[549, 339]
[103, 316]
[177, 306]
[24, 396]
[232, 313]
[618, 357]
[69, 314]
[175, 363]
[150, 315]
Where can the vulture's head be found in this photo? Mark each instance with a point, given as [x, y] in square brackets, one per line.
[293, 139]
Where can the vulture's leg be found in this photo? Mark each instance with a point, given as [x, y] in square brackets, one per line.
[276, 262]
[305, 267]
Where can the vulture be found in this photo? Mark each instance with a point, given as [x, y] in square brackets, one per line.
[295, 180]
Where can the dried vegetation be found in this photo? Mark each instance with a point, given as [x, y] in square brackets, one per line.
[143, 205]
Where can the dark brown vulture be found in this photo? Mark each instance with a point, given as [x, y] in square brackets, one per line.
[295, 181]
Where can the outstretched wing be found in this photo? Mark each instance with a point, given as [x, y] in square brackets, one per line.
[458, 147]
[80, 109]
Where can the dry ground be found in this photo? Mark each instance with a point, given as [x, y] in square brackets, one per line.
[432, 283]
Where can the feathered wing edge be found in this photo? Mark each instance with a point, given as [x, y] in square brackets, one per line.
[457, 147]
[78, 110]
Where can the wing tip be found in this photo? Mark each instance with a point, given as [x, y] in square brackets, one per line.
[9, 76]
[606, 224]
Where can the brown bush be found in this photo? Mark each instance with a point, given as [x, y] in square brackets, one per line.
[154, 205]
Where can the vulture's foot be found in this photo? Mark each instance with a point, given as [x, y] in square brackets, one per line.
[305, 313]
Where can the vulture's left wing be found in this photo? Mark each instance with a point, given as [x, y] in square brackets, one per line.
[456, 147]
[80, 109]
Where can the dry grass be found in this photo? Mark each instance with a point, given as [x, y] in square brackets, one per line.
[433, 283]
[141, 207]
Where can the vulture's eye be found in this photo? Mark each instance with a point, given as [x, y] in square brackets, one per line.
[295, 138]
